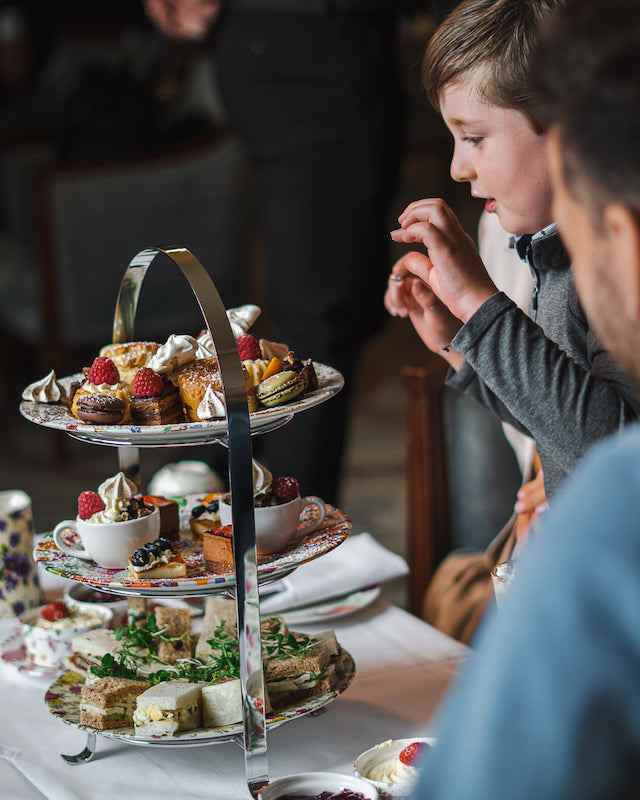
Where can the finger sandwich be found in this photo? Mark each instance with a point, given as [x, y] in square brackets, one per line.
[87, 649]
[168, 708]
[221, 703]
[109, 703]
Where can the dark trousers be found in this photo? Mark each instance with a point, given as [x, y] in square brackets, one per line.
[316, 101]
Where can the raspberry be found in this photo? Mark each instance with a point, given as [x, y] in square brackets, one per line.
[147, 383]
[286, 489]
[89, 503]
[54, 611]
[248, 348]
[412, 753]
[103, 370]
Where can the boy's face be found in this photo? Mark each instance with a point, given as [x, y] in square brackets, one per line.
[497, 151]
[605, 260]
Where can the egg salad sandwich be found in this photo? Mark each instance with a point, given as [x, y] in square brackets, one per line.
[109, 702]
[168, 708]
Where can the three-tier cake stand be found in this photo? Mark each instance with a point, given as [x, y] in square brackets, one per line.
[235, 434]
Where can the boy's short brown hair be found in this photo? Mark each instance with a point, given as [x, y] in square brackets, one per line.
[497, 36]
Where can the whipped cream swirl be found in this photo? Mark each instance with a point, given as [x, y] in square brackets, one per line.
[212, 405]
[115, 493]
[241, 319]
[47, 390]
[179, 349]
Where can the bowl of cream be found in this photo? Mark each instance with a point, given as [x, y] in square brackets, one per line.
[392, 766]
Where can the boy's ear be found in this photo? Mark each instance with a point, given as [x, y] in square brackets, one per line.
[623, 231]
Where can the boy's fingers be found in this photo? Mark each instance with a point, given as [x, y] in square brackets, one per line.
[423, 295]
[432, 237]
[431, 202]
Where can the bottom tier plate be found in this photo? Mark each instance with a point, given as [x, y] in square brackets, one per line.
[63, 701]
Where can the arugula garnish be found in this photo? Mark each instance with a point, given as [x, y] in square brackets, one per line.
[139, 645]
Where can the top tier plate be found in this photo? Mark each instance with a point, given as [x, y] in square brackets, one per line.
[59, 417]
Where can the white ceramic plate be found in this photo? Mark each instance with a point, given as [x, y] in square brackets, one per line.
[63, 701]
[59, 417]
[332, 609]
[333, 531]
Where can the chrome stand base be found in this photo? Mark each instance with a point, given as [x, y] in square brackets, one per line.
[86, 755]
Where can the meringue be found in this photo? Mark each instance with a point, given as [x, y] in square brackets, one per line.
[242, 318]
[262, 479]
[179, 349]
[47, 390]
[212, 405]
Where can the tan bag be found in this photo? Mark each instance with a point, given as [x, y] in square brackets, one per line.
[461, 588]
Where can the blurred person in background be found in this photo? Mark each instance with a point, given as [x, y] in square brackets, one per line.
[311, 87]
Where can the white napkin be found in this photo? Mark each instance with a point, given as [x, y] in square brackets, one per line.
[357, 563]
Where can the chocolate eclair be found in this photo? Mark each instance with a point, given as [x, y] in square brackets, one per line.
[101, 409]
[163, 410]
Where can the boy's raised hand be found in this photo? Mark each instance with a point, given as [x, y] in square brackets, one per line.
[453, 269]
[411, 297]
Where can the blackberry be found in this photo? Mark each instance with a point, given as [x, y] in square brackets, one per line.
[140, 558]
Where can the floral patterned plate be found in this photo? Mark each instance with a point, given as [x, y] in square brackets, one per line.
[59, 417]
[333, 531]
[63, 701]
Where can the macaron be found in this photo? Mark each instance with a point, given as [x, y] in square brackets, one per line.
[102, 409]
[280, 388]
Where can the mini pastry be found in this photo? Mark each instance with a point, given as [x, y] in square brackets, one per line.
[255, 368]
[110, 702]
[176, 623]
[99, 409]
[217, 549]
[178, 350]
[103, 380]
[280, 388]
[305, 368]
[129, 357]
[206, 517]
[154, 401]
[169, 516]
[193, 379]
[271, 350]
[156, 560]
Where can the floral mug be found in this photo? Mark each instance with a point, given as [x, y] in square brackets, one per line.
[19, 588]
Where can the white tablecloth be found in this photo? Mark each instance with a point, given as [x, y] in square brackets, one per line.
[403, 667]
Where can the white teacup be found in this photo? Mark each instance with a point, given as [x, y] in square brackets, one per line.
[278, 526]
[109, 544]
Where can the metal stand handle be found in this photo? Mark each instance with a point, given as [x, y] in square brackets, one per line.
[240, 482]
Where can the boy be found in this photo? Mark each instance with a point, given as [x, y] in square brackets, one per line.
[549, 707]
[547, 376]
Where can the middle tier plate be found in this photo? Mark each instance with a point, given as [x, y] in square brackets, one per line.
[334, 530]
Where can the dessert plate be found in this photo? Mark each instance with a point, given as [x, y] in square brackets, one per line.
[333, 531]
[63, 701]
[59, 417]
[331, 609]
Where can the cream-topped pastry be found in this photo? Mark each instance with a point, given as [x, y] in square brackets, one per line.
[47, 390]
[115, 493]
[212, 405]
[179, 349]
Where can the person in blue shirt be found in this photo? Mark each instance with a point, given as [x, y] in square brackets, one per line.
[548, 708]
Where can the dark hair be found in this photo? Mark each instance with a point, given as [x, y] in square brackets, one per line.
[587, 84]
[497, 35]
